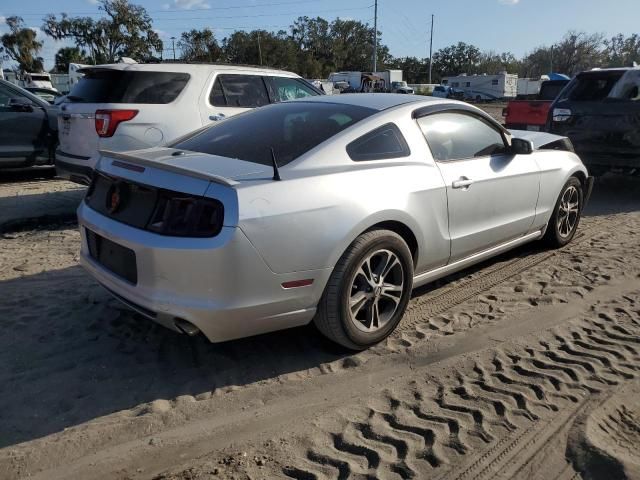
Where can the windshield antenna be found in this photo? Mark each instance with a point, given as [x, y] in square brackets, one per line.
[276, 173]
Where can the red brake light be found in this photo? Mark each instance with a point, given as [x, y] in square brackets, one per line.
[108, 120]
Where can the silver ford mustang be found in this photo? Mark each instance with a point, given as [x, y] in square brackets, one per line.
[325, 209]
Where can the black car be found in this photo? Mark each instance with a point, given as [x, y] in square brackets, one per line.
[28, 128]
[599, 110]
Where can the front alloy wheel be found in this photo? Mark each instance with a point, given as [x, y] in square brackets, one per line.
[564, 220]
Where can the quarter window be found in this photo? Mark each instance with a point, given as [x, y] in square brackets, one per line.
[379, 144]
[457, 136]
[245, 91]
[290, 89]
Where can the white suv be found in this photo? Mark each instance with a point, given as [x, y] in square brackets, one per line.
[133, 106]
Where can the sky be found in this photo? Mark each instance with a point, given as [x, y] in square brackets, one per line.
[499, 25]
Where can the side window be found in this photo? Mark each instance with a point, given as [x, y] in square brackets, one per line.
[289, 89]
[379, 144]
[457, 136]
[216, 97]
[7, 94]
[245, 91]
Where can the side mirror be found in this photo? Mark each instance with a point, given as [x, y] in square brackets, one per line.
[520, 146]
[21, 104]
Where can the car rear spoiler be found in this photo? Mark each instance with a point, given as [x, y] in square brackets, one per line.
[137, 159]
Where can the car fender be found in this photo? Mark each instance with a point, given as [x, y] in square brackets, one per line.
[556, 167]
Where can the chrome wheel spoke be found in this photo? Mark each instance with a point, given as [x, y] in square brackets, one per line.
[357, 301]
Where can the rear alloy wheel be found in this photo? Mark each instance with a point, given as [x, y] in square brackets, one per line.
[566, 214]
[368, 291]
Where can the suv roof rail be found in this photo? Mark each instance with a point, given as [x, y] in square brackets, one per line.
[222, 64]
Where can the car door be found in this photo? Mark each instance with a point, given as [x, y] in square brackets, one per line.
[491, 193]
[23, 128]
[231, 94]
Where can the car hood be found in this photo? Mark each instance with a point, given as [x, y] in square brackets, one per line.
[539, 139]
[224, 170]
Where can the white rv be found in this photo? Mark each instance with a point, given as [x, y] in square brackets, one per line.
[38, 80]
[485, 87]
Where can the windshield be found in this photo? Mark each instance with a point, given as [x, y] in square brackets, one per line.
[40, 78]
[291, 129]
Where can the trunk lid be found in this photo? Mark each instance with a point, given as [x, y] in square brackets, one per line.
[214, 168]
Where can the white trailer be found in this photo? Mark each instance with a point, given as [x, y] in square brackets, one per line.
[485, 87]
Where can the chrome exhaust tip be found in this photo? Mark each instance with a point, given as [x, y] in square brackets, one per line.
[186, 327]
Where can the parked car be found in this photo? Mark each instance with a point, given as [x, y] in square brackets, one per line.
[443, 91]
[531, 114]
[333, 212]
[132, 106]
[599, 110]
[401, 87]
[28, 128]
[46, 94]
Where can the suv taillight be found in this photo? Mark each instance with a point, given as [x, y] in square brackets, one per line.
[108, 120]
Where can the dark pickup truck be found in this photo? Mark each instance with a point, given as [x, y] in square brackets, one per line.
[600, 113]
[532, 114]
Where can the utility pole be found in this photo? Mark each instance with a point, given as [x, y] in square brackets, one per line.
[259, 48]
[375, 36]
[551, 62]
[173, 45]
[431, 49]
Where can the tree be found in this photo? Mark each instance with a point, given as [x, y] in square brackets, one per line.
[199, 46]
[576, 52]
[622, 52]
[22, 46]
[456, 59]
[414, 70]
[67, 55]
[125, 31]
[491, 63]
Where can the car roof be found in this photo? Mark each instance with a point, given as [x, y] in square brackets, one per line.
[376, 101]
[183, 68]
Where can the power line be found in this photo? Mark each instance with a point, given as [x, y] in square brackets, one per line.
[234, 7]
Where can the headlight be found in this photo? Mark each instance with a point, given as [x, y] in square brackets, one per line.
[185, 216]
[561, 114]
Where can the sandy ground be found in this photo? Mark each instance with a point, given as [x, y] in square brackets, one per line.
[523, 367]
[32, 196]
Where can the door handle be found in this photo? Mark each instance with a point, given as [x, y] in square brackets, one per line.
[462, 182]
[217, 116]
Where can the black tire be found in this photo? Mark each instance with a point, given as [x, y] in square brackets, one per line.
[554, 237]
[333, 317]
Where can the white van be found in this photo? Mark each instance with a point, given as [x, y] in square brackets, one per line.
[123, 107]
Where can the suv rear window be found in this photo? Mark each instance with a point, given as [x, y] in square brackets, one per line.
[291, 129]
[593, 86]
[117, 86]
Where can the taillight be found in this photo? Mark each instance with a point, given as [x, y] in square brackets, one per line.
[561, 114]
[185, 216]
[108, 120]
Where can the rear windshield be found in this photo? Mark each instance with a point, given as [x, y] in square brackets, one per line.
[589, 87]
[291, 129]
[117, 86]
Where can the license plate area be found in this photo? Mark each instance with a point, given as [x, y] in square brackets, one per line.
[533, 128]
[119, 260]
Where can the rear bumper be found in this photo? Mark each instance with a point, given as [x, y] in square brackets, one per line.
[221, 285]
[74, 167]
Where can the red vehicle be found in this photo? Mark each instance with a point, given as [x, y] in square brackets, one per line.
[532, 114]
